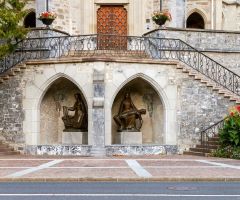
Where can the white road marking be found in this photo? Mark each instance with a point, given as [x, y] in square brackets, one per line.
[146, 167]
[33, 169]
[102, 159]
[120, 195]
[138, 169]
[219, 164]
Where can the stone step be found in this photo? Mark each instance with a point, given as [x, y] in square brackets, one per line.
[9, 153]
[213, 142]
[109, 53]
[179, 67]
[203, 150]
[5, 77]
[193, 153]
[4, 146]
[211, 147]
[214, 139]
[97, 151]
[17, 70]
[22, 66]
[4, 149]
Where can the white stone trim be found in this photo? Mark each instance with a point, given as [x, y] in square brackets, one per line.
[35, 91]
[164, 93]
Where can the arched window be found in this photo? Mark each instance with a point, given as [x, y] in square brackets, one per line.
[195, 20]
[30, 20]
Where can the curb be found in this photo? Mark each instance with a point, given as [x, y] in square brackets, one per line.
[110, 179]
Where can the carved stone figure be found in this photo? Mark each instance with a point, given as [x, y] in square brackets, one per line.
[129, 117]
[78, 120]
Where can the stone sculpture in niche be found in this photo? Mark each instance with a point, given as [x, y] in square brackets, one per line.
[129, 117]
[78, 120]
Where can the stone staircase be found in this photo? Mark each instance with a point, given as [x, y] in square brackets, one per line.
[12, 72]
[209, 83]
[204, 150]
[6, 150]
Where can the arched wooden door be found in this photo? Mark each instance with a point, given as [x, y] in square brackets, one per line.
[112, 20]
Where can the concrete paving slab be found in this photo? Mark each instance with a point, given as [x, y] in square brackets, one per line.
[82, 173]
[161, 168]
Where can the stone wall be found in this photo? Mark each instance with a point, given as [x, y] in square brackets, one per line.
[200, 108]
[231, 15]
[188, 105]
[203, 7]
[11, 109]
[79, 16]
[223, 47]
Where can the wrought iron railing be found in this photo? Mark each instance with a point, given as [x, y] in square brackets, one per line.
[210, 132]
[122, 46]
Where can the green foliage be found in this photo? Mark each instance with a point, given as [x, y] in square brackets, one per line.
[223, 152]
[229, 136]
[230, 133]
[227, 152]
[11, 14]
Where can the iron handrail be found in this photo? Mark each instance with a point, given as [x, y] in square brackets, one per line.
[122, 46]
[210, 132]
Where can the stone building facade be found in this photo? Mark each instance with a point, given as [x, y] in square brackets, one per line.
[178, 103]
[79, 17]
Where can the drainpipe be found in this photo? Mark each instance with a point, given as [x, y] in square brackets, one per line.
[47, 5]
[160, 5]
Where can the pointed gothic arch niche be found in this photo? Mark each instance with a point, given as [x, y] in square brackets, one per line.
[30, 20]
[195, 20]
[60, 93]
[144, 96]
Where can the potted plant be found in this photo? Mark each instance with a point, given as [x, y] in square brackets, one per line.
[47, 17]
[161, 17]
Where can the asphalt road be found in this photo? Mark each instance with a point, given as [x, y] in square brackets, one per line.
[117, 191]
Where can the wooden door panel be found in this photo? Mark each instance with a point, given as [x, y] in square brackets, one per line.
[112, 20]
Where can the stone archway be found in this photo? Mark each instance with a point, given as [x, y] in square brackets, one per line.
[30, 20]
[60, 93]
[144, 96]
[195, 20]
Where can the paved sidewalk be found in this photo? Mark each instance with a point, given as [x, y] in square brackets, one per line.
[121, 168]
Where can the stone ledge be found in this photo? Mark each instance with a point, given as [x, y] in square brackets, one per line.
[59, 150]
[97, 59]
[145, 149]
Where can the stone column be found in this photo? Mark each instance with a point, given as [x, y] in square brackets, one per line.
[218, 15]
[177, 9]
[98, 116]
